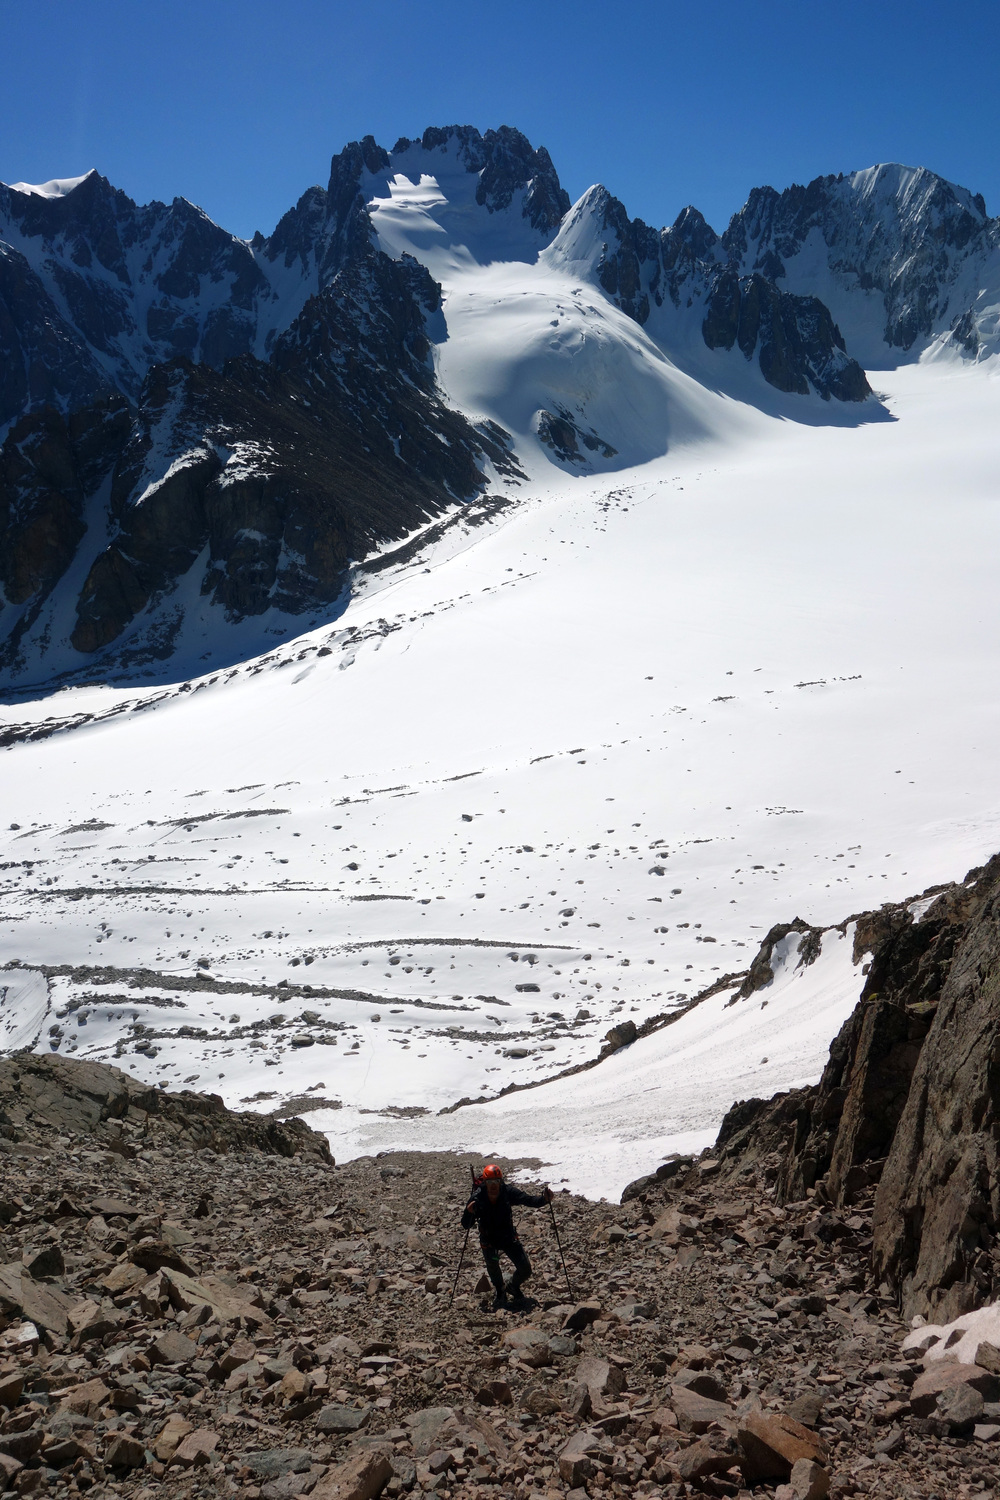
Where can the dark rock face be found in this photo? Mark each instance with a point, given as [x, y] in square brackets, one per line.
[43, 359]
[908, 236]
[794, 340]
[106, 259]
[760, 974]
[279, 473]
[48, 466]
[564, 437]
[797, 343]
[507, 164]
[909, 1099]
[282, 515]
[937, 1211]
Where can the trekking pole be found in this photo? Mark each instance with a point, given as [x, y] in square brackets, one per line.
[555, 1230]
[461, 1258]
[458, 1273]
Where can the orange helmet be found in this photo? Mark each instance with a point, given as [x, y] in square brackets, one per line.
[492, 1173]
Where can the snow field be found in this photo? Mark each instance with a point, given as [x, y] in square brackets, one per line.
[765, 668]
[601, 1129]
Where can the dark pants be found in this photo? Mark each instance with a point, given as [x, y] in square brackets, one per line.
[514, 1252]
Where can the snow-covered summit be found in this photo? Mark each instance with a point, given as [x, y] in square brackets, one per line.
[57, 187]
[436, 320]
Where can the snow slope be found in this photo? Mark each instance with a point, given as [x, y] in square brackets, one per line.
[597, 746]
[529, 330]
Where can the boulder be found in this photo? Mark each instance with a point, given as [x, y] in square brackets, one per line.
[294, 1385]
[444, 1427]
[706, 1456]
[158, 1255]
[44, 1263]
[808, 1408]
[22, 1444]
[122, 1279]
[45, 1306]
[944, 1375]
[961, 1407]
[289, 1486]
[239, 1353]
[227, 1303]
[575, 1462]
[600, 1377]
[113, 1208]
[697, 1413]
[772, 1444]
[272, 1463]
[196, 1449]
[124, 1452]
[90, 1320]
[87, 1399]
[171, 1433]
[581, 1316]
[173, 1348]
[530, 1345]
[9, 1466]
[341, 1419]
[810, 1302]
[809, 1480]
[362, 1477]
[703, 1382]
[11, 1386]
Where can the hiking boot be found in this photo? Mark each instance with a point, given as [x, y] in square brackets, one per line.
[500, 1301]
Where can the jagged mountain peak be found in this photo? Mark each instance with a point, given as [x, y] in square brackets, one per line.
[506, 163]
[916, 190]
[447, 281]
[693, 229]
[906, 261]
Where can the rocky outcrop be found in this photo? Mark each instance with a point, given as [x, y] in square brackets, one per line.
[937, 1212]
[43, 1097]
[275, 475]
[507, 164]
[761, 973]
[49, 466]
[907, 1100]
[566, 439]
[795, 340]
[44, 360]
[920, 249]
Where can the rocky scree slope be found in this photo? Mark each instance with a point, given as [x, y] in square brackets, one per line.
[185, 1312]
[909, 1101]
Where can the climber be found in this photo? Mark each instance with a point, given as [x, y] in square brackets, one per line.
[490, 1209]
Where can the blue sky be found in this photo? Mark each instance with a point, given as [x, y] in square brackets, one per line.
[239, 106]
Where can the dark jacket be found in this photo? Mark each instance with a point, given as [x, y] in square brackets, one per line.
[495, 1221]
